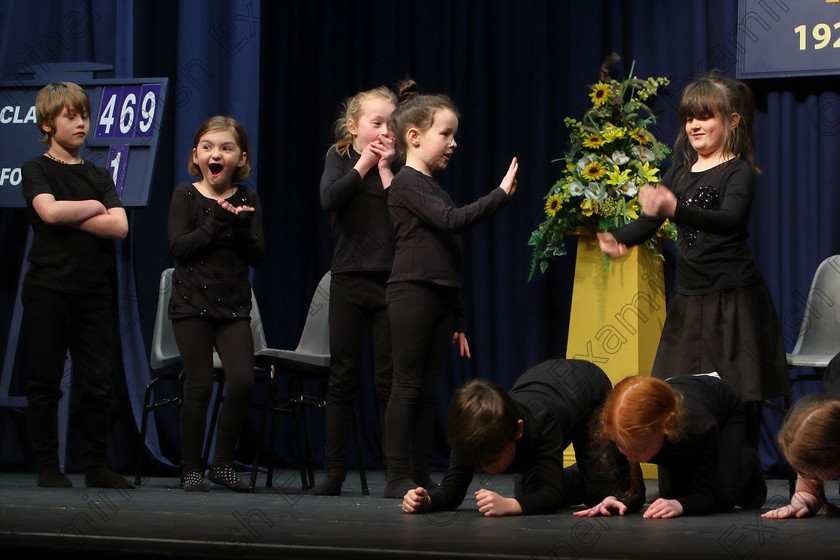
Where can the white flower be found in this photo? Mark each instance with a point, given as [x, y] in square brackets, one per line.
[643, 154]
[588, 158]
[595, 191]
[575, 188]
[628, 189]
[619, 157]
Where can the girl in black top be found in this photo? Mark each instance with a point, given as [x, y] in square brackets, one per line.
[808, 439]
[357, 174]
[693, 428]
[721, 318]
[215, 233]
[425, 282]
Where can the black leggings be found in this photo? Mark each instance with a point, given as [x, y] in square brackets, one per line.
[422, 322]
[357, 303]
[196, 338]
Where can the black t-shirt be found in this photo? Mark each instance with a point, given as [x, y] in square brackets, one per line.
[65, 258]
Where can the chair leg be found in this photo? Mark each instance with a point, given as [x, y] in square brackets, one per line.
[266, 415]
[141, 444]
[359, 457]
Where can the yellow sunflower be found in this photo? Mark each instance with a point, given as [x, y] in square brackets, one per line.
[600, 94]
[553, 204]
[593, 141]
[593, 171]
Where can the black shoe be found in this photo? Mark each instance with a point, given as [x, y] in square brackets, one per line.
[52, 477]
[330, 486]
[226, 476]
[193, 482]
[103, 477]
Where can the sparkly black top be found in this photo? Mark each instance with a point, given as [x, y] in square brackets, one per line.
[713, 209]
[213, 249]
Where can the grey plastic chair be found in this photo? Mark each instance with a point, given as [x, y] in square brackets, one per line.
[819, 335]
[310, 360]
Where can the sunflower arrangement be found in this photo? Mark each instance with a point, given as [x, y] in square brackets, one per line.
[611, 155]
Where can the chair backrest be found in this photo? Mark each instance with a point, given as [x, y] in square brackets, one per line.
[164, 349]
[819, 333]
[315, 338]
[257, 330]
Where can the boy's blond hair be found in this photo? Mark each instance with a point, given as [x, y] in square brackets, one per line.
[52, 99]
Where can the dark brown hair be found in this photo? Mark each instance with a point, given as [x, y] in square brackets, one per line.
[220, 122]
[482, 420]
[717, 95]
[416, 110]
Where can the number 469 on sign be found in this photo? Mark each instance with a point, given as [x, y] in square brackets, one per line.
[127, 111]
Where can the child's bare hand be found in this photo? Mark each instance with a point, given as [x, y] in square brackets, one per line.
[606, 507]
[657, 201]
[416, 501]
[663, 509]
[491, 504]
[368, 159]
[234, 209]
[460, 339]
[609, 246]
[802, 504]
[508, 183]
[383, 146]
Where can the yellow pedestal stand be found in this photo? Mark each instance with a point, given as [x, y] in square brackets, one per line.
[617, 314]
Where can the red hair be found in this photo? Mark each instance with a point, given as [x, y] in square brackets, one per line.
[638, 406]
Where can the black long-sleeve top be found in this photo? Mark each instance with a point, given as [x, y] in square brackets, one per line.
[711, 216]
[555, 400]
[362, 232]
[705, 472]
[427, 226]
[213, 250]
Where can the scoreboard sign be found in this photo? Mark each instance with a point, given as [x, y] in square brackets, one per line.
[781, 38]
[125, 122]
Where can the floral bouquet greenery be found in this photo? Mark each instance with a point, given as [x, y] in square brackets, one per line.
[611, 155]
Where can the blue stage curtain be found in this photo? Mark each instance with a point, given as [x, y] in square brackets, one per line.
[515, 70]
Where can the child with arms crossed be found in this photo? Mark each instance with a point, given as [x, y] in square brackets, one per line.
[423, 293]
[215, 234]
[67, 296]
[525, 432]
[693, 428]
[721, 318]
[357, 174]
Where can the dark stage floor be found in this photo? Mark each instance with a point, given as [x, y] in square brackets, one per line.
[158, 519]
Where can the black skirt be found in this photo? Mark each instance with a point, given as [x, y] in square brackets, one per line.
[733, 332]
